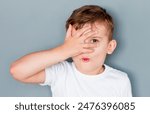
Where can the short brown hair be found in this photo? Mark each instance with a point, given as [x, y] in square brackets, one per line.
[90, 14]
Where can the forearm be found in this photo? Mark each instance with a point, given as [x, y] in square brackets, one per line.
[37, 61]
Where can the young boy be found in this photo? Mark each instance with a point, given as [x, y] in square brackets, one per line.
[88, 41]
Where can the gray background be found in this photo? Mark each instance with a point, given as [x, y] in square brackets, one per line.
[32, 25]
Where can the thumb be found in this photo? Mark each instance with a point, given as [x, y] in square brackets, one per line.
[69, 31]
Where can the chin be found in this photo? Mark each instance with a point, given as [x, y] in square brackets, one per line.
[83, 64]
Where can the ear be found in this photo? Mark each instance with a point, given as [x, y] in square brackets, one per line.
[111, 46]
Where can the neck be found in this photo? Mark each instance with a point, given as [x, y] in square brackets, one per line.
[96, 71]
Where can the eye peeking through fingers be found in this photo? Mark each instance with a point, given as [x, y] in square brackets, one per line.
[94, 40]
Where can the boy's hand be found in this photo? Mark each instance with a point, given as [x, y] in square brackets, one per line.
[75, 44]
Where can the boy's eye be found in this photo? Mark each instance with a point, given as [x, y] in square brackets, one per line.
[94, 40]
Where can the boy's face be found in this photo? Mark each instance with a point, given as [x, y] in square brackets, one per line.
[92, 61]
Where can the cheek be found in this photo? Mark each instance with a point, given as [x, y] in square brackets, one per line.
[99, 56]
[101, 50]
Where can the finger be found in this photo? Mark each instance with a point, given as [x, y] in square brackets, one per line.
[81, 31]
[89, 45]
[84, 50]
[69, 31]
[87, 40]
[89, 30]
[89, 35]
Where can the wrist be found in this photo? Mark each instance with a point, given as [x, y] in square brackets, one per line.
[65, 51]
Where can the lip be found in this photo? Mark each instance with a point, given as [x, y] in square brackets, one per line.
[85, 59]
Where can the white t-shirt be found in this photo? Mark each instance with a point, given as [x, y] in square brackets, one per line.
[66, 81]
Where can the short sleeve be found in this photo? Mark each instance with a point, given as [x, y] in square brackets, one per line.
[53, 72]
[127, 90]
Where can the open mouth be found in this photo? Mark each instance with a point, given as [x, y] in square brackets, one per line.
[85, 59]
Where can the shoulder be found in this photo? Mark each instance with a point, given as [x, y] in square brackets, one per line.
[65, 65]
[59, 68]
[56, 71]
[117, 74]
[61, 65]
[120, 79]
